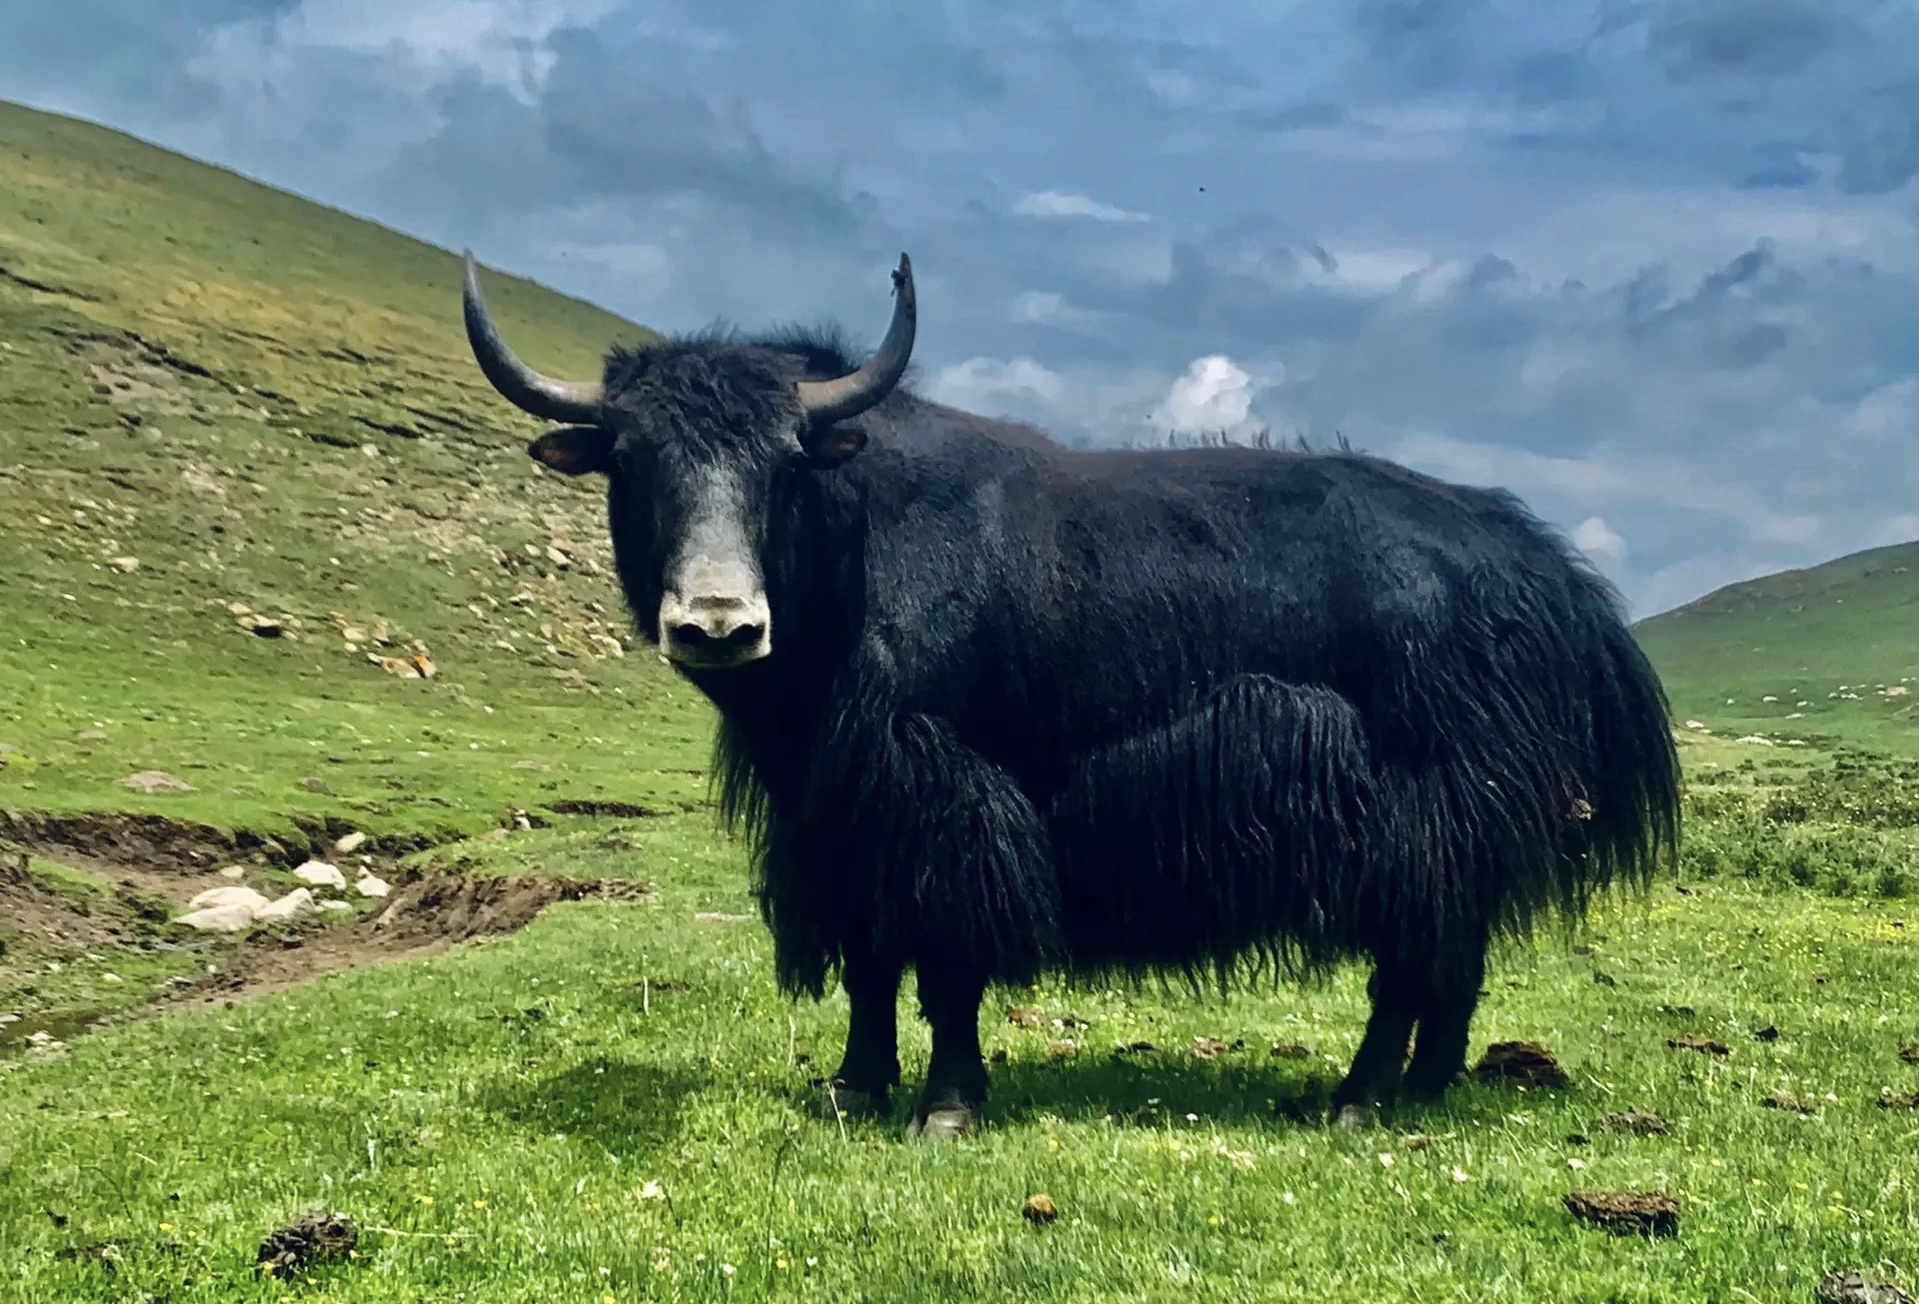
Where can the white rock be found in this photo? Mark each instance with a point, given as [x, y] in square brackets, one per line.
[220, 919]
[334, 903]
[234, 872]
[8, 1018]
[351, 843]
[370, 885]
[320, 874]
[291, 906]
[246, 897]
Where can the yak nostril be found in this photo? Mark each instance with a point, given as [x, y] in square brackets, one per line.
[739, 638]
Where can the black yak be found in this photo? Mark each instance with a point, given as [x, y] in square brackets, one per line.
[992, 707]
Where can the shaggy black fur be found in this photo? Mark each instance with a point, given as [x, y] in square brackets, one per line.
[1032, 708]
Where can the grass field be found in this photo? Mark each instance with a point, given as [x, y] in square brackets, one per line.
[596, 1094]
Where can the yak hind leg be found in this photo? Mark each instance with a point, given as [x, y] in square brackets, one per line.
[1372, 1082]
[956, 1080]
[870, 1068]
[1445, 1023]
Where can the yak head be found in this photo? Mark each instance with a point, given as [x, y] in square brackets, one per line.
[693, 436]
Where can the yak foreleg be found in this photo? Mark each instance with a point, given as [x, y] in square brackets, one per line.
[870, 1068]
[956, 1081]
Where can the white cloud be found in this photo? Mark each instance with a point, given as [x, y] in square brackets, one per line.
[1215, 393]
[985, 384]
[1891, 411]
[1599, 540]
[1060, 203]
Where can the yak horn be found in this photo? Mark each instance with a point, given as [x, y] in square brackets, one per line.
[836, 400]
[574, 401]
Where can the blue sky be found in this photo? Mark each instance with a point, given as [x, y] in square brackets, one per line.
[1652, 264]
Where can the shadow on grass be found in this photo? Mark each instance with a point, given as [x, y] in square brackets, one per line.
[1161, 1091]
[1164, 1089]
[629, 1107]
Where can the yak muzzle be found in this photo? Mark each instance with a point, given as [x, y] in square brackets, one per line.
[713, 631]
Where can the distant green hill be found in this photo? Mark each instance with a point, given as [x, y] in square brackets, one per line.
[1835, 647]
[215, 393]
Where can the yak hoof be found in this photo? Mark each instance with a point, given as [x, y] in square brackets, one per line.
[1355, 1118]
[943, 1122]
[838, 1100]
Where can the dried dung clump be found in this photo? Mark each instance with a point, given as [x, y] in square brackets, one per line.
[1855, 1288]
[1786, 1100]
[1039, 1209]
[1525, 1062]
[1640, 1122]
[1645, 1213]
[1899, 1100]
[306, 1240]
[1702, 1044]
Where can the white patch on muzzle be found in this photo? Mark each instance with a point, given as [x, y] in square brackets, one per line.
[713, 613]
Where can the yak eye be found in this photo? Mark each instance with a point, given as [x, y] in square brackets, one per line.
[833, 444]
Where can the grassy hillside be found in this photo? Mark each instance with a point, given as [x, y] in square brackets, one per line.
[216, 398]
[219, 403]
[1829, 653]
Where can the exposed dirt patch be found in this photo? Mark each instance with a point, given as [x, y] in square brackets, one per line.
[619, 809]
[428, 912]
[157, 843]
[152, 864]
[36, 913]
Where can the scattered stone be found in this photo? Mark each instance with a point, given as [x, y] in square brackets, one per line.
[234, 872]
[263, 627]
[369, 885]
[230, 896]
[1526, 1063]
[153, 782]
[1039, 1209]
[125, 565]
[718, 917]
[532, 765]
[313, 785]
[1640, 1122]
[349, 844]
[1695, 1041]
[1646, 1213]
[335, 904]
[91, 736]
[308, 1239]
[219, 919]
[320, 874]
[1788, 1101]
[1856, 1288]
[1889, 1099]
[239, 608]
[291, 906]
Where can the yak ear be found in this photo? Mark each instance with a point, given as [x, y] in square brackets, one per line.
[830, 445]
[574, 450]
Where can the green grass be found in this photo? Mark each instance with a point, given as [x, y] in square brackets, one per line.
[613, 1103]
[507, 1108]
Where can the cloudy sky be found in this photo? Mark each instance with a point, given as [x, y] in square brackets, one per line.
[1653, 264]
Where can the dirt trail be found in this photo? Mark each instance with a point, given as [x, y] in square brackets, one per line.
[153, 864]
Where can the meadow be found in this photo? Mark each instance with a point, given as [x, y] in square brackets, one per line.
[275, 571]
